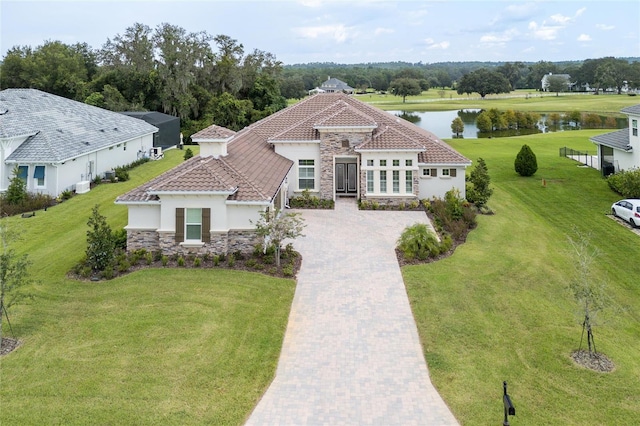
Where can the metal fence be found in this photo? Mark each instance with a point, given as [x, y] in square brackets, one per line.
[584, 157]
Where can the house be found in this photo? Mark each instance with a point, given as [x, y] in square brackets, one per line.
[333, 85]
[329, 145]
[168, 134]
[59, 144]
[545, 81]
[620, 150]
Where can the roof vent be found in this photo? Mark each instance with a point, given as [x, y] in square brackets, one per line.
[86, 143]
[115, 128]
[4, 111]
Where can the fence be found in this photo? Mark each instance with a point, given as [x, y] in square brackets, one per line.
[583, 157]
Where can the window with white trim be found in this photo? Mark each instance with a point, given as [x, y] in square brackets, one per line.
[370, 181]
[426, 172]
[38, 176]
[23, 173]
[445, 172]
[383, 181]
[408, 181]
[408, 163]
[383, 163]
[634, 127]
[306, 174]
[370, 163]
[193, 224]
[396, 163]
[396, 181]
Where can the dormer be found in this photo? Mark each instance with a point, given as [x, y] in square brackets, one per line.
[213, 141]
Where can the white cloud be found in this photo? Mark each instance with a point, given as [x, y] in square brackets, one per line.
[381, 30]
[543, 32]
[502, 38]
[604, 27]
[579, 12]
[584, 37]
[338, 33]
[560, 19]
[431, 44]
[311, 3]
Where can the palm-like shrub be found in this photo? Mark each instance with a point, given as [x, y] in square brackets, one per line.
[526, 163]
[418, 241]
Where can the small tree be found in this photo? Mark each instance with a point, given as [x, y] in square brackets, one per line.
[480, 192]
[590, 295]
[526, 163]
[457, 126]
[13, 274]
[274, 228]
[188, 154]
[405, 87]
[100, 243]
[17, 190]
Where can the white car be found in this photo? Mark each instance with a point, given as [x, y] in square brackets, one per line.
[628, 210]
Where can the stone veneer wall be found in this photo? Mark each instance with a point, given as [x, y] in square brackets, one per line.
[221, 242]
[331, 145]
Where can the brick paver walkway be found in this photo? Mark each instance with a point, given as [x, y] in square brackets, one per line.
[351, 353]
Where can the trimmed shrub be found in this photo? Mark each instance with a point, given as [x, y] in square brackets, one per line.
[478, 192]
[418, 242]
[626, 183]
[526, 163]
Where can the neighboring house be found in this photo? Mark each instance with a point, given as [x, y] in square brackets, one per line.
[168, 134]
[620, 150]
[58, 143]
[545, 81]
[333, 85]
[330, 145]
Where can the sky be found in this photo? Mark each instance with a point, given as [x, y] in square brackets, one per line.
[351, 31]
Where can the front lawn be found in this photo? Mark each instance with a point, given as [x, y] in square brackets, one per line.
[499, 308]
[158, 346]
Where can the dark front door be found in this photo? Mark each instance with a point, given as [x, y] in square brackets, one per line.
[346, 178]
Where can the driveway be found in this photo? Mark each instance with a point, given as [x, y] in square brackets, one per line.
[351, 353]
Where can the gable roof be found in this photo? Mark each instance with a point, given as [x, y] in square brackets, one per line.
[61, 129]
[253, 168]
[213, 132]
[333, 83]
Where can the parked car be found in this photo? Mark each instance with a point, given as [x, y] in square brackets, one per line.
[628, 210]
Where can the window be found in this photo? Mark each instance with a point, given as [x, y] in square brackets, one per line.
[396, 181]
[383, 163]
[370, 181]
[408, 181]
[23, 172]
[445, 172]
[39, 175]
[426, 172]
[383, 181]
[396, 163]
[634, 127]
[370, 163]
[193, 224]
[306, 174]
[408, 163]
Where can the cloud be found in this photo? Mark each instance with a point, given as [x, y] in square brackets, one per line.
[584, 37]
[499, 38]
[543, 32]
[311, 3]
[605, 27]
[432, 45]
[560, 19]
[338, 33]
[381, 30]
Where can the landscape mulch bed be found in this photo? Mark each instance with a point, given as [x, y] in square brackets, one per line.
[8, 345]
[593, 361]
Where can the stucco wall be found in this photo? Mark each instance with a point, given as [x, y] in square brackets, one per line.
[300, 151]
[438, 186]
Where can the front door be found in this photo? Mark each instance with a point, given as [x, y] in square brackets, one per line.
[346, 178]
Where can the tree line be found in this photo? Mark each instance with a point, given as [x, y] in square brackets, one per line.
[205, 79]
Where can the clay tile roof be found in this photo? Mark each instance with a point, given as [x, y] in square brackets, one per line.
[213, 132]
[390, 138]
[346, 116]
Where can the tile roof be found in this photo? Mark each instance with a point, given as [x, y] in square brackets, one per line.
[618, 139]
[253, 167]
[213, 132]
[61, 128]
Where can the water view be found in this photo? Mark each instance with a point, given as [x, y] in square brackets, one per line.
[439, 122]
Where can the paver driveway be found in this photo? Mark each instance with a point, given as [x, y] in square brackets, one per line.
[351, 353]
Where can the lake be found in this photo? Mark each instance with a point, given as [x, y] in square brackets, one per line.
[439, 123]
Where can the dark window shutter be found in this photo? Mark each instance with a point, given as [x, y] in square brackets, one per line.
[179, 225]
[206, 225]
[434, 172]
[452, 172]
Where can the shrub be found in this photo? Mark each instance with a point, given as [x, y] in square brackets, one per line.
[17, 189]
[287, 270]
[122, 174]
[188, 154]
[526, 163]
[626, 183]
[148, 258]
[196, 262]
[100, 245]
[251, 263]
[123, 266]
[108, 273]
[418, 241]
[216, 260]
[479, 191]
[165, 260]
[231, 260]
[120, 238]
[66, 194]
[180, 261]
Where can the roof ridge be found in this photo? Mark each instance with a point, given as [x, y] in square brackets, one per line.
[306, 120]
[348, 107]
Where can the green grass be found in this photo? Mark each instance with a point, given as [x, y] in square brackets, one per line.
[517, 100]
[156, 346]
[499, 308]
